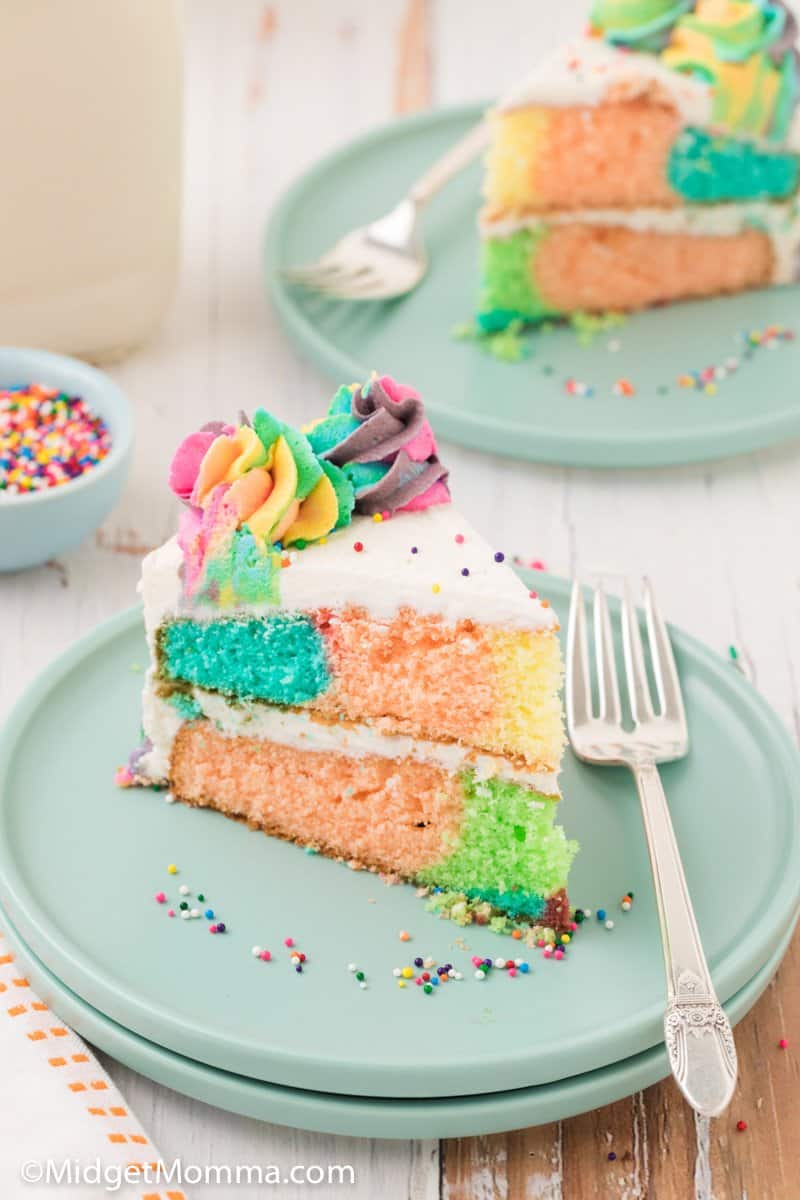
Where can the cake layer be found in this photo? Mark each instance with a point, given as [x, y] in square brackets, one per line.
[423, 630]
[625, 154]
[601, 262]
[491, 839]
[493, 689]
[609, 156]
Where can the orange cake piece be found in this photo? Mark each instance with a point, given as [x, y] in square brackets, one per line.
[654, 160]
[338, 659]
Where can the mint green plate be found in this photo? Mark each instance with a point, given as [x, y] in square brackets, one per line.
[80, 863]
[522, 409]
[359, 1116]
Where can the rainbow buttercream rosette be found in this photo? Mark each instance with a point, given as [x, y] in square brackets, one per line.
[745, 49]
[255, 489]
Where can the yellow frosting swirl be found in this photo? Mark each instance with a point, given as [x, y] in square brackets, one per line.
[740, 47]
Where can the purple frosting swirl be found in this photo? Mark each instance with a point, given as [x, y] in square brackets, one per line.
[386, 426]
[404, 483]
[785, 44]
[392, 430]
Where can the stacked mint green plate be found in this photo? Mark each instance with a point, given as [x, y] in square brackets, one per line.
[364, 1116]
[80, 863]
[526, 409]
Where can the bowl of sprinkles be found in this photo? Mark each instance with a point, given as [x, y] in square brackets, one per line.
[66, 435]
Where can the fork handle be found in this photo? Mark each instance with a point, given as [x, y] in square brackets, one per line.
[697, 1031]
[450, 164]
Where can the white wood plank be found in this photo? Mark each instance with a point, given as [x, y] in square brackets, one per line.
[483, 49]
[199, 1134]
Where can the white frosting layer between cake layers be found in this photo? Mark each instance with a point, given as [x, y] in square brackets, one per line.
[779, 221]
[300, 729]
[383, 578]
[584, 71]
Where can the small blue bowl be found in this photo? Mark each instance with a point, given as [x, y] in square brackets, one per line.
[42, 525]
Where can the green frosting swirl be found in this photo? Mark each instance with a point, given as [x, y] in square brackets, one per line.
[746, 52]
[640, 24]
[744, 49]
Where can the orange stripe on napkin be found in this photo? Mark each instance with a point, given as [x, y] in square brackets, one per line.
[81, 1078]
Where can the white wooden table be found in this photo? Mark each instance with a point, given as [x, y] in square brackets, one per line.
[268, 89]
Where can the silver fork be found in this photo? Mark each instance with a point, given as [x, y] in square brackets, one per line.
[697, 1032]
[387, 258]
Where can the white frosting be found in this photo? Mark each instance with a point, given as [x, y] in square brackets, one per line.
[160, 724]
[383, 578]
[583, 72]
[300, 729]
[780, 221]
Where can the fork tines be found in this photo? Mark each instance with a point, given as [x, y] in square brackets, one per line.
[580, 708]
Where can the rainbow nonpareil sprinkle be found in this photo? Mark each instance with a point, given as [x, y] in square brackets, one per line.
[47, 438]
[577, 387]
[360, 975]
[708, 379]
[427, 979]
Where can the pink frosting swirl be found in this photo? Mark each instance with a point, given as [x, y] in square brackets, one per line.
[393, 430]
[185, 465]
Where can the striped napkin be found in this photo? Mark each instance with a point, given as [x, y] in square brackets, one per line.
[58, 1104]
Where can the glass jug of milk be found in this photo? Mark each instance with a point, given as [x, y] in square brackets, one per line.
[90, 137]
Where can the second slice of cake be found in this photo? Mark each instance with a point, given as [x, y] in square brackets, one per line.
[653, 161]
[338, 659]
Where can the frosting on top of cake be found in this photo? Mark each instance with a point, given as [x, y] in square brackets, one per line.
[269, 522]
[589, 71]
[293, 727]
[745, 49]
[643, 24]
[778, 221]
[431, 561]
[728, 64]
[255, 489]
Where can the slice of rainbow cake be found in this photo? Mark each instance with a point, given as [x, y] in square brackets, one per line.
[654, 160]
[339, 660]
